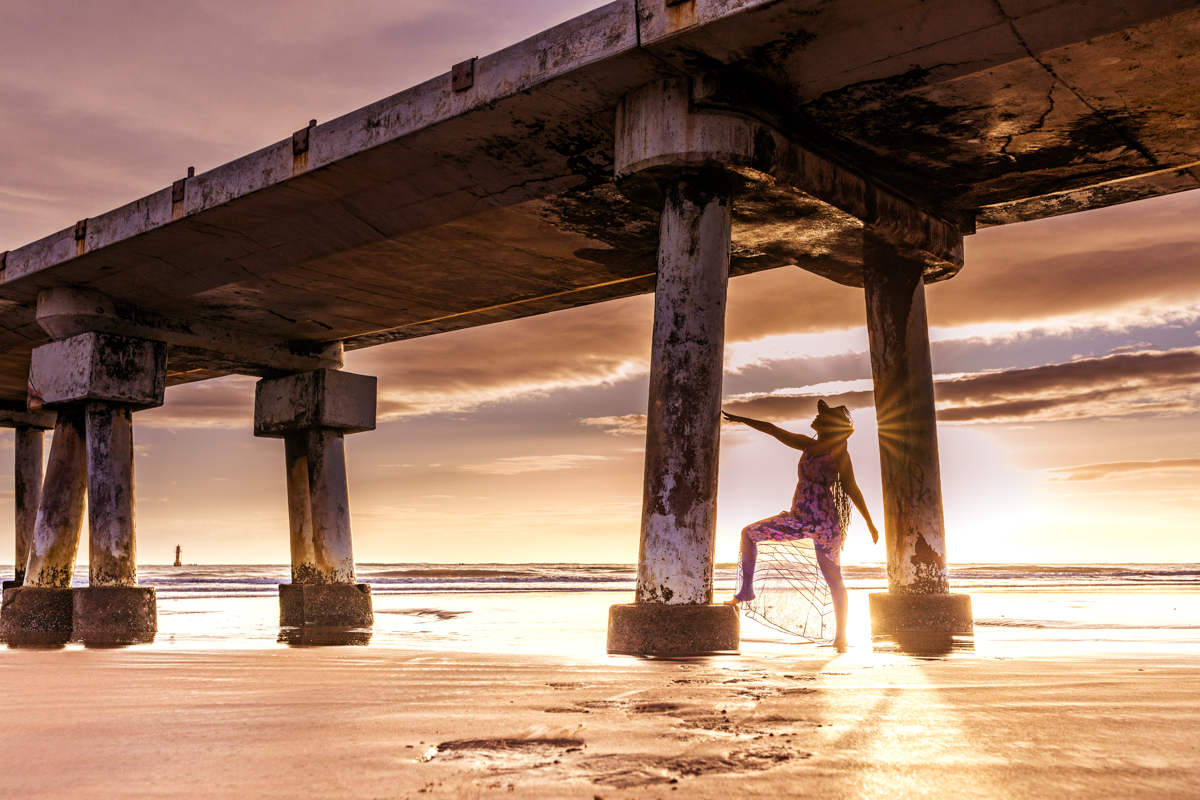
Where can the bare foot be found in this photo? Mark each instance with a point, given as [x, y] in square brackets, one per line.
[733, 601]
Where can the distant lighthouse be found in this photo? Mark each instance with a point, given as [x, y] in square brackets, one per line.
[178, 553]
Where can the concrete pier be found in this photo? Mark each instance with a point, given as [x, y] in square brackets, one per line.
[28, 445]
[673, 611]
[27, 485]
[43, 604]
[312, 412]
[95, 381]
[764, 133]
[665, 148]
[918, 597]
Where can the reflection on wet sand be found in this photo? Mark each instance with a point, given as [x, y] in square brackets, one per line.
[318, 636]
[923, 644]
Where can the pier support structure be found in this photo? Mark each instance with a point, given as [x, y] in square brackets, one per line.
[918, 597]
[667, 152]
[94, 381]
[312, 412]
[29, 428]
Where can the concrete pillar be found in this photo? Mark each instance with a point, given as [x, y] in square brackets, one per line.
[95, 381]
[112, 551]
[43, 604]
[295, 454]
[59, 520]
[312, 412]
[328, 491]
[27, 474]
[673, 609]
[668, 152]
[918, 597]
[679, 502]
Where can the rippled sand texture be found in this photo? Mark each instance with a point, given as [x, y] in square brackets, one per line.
[380, 722]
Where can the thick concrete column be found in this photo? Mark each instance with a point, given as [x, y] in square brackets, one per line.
[27, 474]
[95, 381]
[673, 611]
[43, 604]
[918, 597]
[329, 498]
[27, 485]
[295, 454]
[679, 501]
[669, 152]
[311, 412]
[112, 552]
[59, 520]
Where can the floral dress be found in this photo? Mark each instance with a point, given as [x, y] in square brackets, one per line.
[814, 514]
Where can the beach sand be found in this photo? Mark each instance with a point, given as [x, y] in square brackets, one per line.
[1006, 717]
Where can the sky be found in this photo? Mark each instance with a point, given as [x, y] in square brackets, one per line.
[1066, 353]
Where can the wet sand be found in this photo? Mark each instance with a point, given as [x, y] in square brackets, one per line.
[368, 722]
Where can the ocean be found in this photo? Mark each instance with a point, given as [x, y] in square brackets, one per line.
[555, 608]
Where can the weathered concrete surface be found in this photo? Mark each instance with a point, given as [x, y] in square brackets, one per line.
[679, 504]
[27, 485]
[311, 412]
[114, 612]
[98, 367]
[36, 609]
[112, 538]
[64, 312]
[914, 613]
[325, 605]
[60, 513]
[304, 557]
[325, 398]
[434, 209]
[908, 454]
[328, 492]
[659, 629]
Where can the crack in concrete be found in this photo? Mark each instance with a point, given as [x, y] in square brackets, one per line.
[1130, 142]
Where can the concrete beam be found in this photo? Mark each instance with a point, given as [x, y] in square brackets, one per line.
[98, 367]
[663, 127]
[340, 401]
[33, 420]
[64, 312]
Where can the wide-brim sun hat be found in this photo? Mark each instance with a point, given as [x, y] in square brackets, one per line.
[838, 414]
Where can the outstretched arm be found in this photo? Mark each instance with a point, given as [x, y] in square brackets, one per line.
[797, 441]
[846, 473]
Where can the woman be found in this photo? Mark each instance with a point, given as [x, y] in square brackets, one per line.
[820, 506]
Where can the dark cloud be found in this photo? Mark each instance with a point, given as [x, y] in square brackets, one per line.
[1146, 382]
[1171, 467]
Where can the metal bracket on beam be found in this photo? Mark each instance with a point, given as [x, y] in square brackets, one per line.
[678, 2]
[3, 264]
[81, 230]
[300, 139]
[462, 76]
[177, 186]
